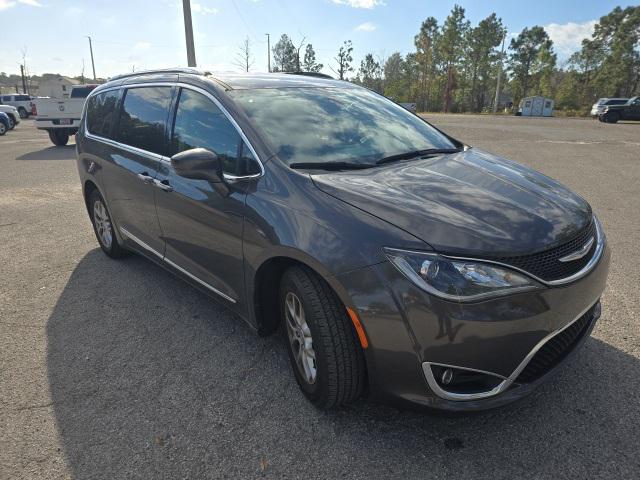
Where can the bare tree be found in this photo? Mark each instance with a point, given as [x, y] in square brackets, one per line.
[24, 50]
[244, 58]
[298, 54]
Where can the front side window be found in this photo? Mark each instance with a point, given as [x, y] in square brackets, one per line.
[143, 118]
[335, 124]
[101, 113]
[199, 123]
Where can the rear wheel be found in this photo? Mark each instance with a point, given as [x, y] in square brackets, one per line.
[103, 227]
[22, 112]
[59, 137]
[3, 128]
[327, 360]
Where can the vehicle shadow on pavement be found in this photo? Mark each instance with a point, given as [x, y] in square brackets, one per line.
[51, 153]
[152, 379]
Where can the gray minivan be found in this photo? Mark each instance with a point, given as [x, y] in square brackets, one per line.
[398, 262]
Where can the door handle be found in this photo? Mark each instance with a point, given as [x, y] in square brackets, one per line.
[163, 185]
[145, 177]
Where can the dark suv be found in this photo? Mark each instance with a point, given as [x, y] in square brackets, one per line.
[627, 111]
[397, 261]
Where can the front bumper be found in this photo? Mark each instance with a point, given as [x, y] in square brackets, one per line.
[409, 330]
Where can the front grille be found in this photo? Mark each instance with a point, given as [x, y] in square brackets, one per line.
[545, 265]
[556, 349]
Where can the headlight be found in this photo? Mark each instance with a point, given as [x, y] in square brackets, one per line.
[458, 280]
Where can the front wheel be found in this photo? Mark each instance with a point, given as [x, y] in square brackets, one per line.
[59, 137]
[3, 129]
[12, 122]
[612, 117]
[326, 357]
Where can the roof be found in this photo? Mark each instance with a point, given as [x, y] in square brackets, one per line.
[60, 78]
[241, 81]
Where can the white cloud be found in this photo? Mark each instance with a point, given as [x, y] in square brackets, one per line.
[360, 3]
[365, 27]
[6, 4]
[567, 37]
[203, 9]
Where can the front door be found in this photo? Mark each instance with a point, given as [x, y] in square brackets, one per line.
[202, 223]
[134, 162]
[634, 110]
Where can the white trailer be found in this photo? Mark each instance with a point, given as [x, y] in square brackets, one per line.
[536, 107]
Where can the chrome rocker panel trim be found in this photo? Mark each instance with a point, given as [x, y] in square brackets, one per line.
[502, 386]
[146, 247]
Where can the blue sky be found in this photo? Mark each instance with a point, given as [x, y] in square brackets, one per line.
[141, 34]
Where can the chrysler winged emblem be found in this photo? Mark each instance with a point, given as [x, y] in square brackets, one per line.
[578, 254]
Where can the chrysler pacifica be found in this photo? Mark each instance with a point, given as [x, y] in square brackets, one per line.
[396, 261]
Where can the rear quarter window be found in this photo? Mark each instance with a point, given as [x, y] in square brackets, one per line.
[101, 113]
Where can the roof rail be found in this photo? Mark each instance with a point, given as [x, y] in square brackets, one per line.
[193, 71]
[311, 74]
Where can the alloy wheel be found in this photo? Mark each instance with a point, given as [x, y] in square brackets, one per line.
[103, 223]
[300, 338]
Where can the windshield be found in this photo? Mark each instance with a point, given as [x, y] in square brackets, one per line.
[320, 125]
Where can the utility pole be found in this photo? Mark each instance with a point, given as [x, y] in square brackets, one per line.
[24, 83]
[188, 32]
[497, 99]
[93, 66]
[268, 52]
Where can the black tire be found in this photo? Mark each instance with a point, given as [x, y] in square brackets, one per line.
[12, 122]
[59, 137]
[339, 360]
[3, 129]
[612, 117]
[23, 112]
[112, 249]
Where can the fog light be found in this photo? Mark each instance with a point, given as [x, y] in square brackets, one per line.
[447, 376]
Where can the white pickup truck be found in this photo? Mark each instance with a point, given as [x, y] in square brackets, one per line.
[61, 116]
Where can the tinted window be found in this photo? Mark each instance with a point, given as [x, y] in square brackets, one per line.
[335, 124]
[616, 102]
[22, 98]
[101, 112]
[143, 118]
[6, 98]
[200, 123]
[81, 92]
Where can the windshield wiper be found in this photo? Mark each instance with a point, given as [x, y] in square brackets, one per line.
[330, 165]
[416, 153]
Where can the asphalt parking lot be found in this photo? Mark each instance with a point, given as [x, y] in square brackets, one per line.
[116, 369]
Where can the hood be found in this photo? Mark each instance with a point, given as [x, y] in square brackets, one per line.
[471, 203]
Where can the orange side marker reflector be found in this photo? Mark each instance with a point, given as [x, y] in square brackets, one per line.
[359, 330]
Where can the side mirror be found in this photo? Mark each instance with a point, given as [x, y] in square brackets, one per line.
[198, 164]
